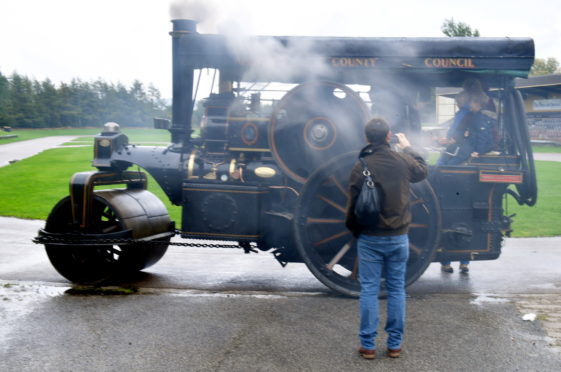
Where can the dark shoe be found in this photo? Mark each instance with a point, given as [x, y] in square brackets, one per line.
[447, 268]
[464, 268]
[367, 354]
[394, 353]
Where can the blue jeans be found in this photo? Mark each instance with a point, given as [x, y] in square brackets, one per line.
[376, 253]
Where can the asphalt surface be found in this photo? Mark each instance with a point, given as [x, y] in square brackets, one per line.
[547, 156]
[15, 151]
[221, 310]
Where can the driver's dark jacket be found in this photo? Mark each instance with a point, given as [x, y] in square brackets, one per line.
[393, 172]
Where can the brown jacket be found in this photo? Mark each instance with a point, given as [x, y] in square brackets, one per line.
[393, 172]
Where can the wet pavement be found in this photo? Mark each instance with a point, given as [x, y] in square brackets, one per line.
[221, 310]
[207, 309]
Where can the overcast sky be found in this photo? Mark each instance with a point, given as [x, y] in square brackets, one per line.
[123, 40]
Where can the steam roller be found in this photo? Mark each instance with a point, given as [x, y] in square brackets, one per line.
[271, 173]
[116, 232]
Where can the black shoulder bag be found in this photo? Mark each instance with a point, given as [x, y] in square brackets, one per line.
[368, 204]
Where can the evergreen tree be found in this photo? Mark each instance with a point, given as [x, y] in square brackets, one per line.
[30, 103]
[48, 104]
[22, 111]
[4, 99]
[69, 113]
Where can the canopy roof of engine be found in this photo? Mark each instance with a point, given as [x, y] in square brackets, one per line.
[431, 61]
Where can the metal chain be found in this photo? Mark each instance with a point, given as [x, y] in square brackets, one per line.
[72, 240]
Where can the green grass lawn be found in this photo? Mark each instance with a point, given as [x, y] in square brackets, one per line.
[555, 149]
[31, 187]
[543, 219]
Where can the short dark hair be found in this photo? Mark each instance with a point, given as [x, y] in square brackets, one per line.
[376, 130]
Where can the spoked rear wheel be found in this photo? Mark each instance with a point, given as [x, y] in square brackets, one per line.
[327, 247]
[111, 211]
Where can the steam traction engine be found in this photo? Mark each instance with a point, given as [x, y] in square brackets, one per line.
[273, 175]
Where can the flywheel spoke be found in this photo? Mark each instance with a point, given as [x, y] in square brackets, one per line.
[339, 255]
[325, 220]
[332, 237]
[332, 203]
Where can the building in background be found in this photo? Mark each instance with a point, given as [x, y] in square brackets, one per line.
[542, 99]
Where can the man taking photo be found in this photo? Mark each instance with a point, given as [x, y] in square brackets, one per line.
[384, 244]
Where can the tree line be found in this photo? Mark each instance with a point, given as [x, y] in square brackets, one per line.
[29, 103]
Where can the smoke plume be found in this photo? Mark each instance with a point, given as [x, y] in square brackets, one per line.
[268, 59]
[265, 58]
[209, 14]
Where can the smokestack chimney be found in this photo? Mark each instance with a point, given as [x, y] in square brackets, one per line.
[182, 103]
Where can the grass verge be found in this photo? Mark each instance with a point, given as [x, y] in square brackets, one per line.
[31, 187]
[543, 219]
[550, 149]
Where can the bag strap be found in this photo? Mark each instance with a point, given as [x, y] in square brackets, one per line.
[366, 173]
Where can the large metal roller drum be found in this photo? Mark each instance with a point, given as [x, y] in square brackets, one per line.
[112, 211]
[328, 248]
[313, 123]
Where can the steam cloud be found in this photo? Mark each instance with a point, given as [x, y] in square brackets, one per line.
[198, 10]
[263, 56]
[266, 58]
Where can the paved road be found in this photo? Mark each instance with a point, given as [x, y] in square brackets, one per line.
[221, 310]
[547, 156]
[24, 149]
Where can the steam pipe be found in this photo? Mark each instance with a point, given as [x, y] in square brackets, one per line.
[182, 105]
